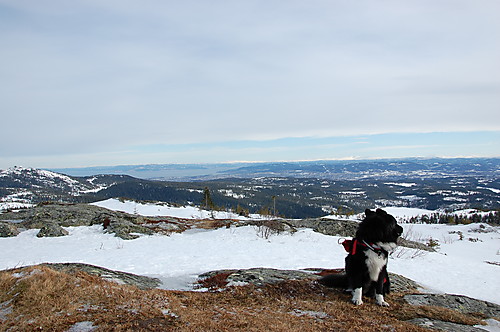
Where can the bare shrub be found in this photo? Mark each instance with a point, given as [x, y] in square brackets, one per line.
[266, 228]
[411, 253]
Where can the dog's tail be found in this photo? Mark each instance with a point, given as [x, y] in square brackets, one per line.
[336, 280]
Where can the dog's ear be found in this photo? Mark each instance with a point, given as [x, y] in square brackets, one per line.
[369, 212]
[381, 212]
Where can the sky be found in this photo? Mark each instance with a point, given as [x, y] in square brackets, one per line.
[108, 82]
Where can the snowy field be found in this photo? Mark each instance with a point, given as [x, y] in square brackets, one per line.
[468, 266]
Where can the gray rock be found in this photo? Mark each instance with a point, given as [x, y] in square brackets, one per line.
[263, 276]
[52, 230]
[256, 276]
[8, 230]
[460, 303]
[125, 229]
[402, 284]
[443, 326]
[65, 215]
[337, 227]
[141, 282]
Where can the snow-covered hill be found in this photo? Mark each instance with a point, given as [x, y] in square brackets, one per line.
[22, 187]
[38, 178]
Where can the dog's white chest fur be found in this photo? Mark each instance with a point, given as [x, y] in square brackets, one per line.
[375, 263]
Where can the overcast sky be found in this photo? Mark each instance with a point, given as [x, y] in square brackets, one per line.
[108, 82]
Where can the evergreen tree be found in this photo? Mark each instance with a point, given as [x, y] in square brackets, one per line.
[207, 202]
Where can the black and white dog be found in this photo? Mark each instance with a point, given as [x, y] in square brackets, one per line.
[366, 263]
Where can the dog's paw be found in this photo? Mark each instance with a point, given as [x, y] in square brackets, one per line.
[357, 296]
[380, 300]
[357, 301]
[383, 304]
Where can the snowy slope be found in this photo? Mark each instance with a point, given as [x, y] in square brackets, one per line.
[155, 209]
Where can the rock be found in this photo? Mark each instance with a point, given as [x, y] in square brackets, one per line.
[262, 276]
[52, 230]
[460, 303]
[259, 276]
[8, 230]
[124, 229]
[141, 282]
[444, 326]
[402, 284]
[67, 215]
[337, 227]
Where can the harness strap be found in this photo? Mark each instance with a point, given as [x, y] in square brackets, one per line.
[351, 246]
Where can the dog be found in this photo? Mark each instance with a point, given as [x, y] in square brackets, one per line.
[366, 263]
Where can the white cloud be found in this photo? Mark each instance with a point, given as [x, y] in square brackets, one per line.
[98, 76]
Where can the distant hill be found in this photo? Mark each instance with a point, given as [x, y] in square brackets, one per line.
[330, 169]
[293, 190]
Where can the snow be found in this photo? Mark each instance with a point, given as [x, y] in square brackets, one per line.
[177, 258]
[152, 209]
[401, 184]
[496, 191]
[466, 266]
[459, 266]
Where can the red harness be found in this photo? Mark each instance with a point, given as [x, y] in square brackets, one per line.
[351, 246]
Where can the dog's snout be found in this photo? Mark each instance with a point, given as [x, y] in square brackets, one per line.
[399, 230]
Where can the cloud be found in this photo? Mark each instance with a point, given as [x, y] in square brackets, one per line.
[98, 76]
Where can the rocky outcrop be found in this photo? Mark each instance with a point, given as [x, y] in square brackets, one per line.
[256, 276]
[334, 227]
[50, 218]
[142, 282]
[8, 229]
[52, 230]
[460, 303]
[263, 276]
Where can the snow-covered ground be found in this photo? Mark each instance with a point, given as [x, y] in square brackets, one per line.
[153, 209]
[464, 266]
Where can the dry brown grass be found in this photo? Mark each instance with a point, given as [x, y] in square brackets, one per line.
[43, 299]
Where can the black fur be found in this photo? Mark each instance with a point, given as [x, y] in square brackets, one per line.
[378, 229]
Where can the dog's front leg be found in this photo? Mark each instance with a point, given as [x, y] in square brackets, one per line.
[379, 291]
[356, 284]
[357, 294]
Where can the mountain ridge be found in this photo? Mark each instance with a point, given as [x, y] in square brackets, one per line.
[288, 189]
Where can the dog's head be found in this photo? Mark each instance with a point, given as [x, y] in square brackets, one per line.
[379, 226]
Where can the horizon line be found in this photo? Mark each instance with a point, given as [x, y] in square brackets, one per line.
[354, 159]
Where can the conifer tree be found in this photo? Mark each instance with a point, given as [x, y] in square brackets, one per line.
[207, 202]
